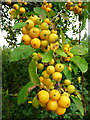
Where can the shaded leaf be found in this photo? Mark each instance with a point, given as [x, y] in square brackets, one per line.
[81, 63]
[67, 73]
[47, 56]
[33, 72]
[78, 104]
[19, 25]
[74, 68]
[23, 94]
[21, 52]
[51, 13]
[62, 36]
[35, 102]
[79, 50]
[60, 52]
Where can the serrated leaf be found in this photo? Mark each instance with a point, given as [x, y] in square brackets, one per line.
[81, 63]
[60, 52]
[78, 104]
[67, 73]
[47, 56]
[79, 50]
[35, 102]
[19, 25]
[21, 52]
[33, 72]
[23, 94]
[40, 12]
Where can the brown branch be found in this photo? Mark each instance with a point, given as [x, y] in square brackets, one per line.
[55, 16]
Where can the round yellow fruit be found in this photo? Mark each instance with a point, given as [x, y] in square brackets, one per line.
[54, 94]
[47, 21]
[71, 88]
[29, 24]
[16, 6]
[59, 67]
[35, 43]
[57, 76]
[60, 111]
[52, 37]
[70, 55]
[44, 43]
[33, 18]
[47, 81]
[24, 30]
[26, 39]
[44, 34]
[52, 62]
[34, 32]
[67, 82]
[64, 101]
[50, 69]
[40, 66]
[52, 105]
[43, 96]
[22, 10]
[45, 74]
[44, 26]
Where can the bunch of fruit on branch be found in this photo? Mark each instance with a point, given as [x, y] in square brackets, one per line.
[76, 8]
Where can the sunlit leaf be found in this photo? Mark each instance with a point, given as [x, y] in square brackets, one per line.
[19, 25]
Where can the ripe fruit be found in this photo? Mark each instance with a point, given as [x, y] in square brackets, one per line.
[51, 62]
[47, 21]
[41, 79]
[69, 68]
[54, 94]
[59, 67]
[70, 55]
[52, 37]
[52, 105]
[54, 31]
[16, 6]
[44, 34]
[57, 76]
[26, 39]
[44, 26]
[47, 82]
[80, 10]
[67, 82]
[45, 74]
[34, 32]
[35, 43]
[50, 69]
[64, 101]
[33, 18]
[24, 30]
[67, 59]
[66, 45]
[48, 9]
[38, 21]
[70, 88]
[43, 96]
[22, 10]
[40, 66]
[29, 24]
[60, 111]
[50, 5]
[44, 43]
[65, 49]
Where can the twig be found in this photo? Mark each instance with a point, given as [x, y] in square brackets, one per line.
[55, 16]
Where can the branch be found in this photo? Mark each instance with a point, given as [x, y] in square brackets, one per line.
[55, 16]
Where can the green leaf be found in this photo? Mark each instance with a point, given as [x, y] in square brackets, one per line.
[33, 72]
[81, 63]
[67, 73]
[78, 104]
[74, 68]
[60, 52]
[79, 50]
[21, 52]
[35, 102]
[19, 25]
[40, 12]
[52, 13]
[62, 36]
[23, 94]
[47, 56]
